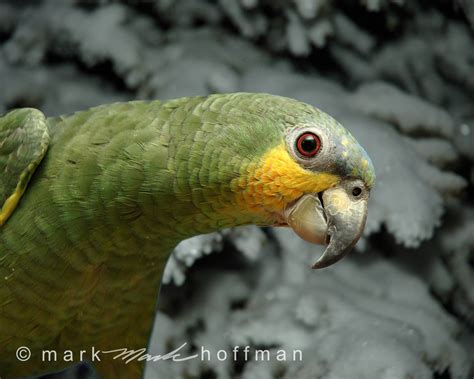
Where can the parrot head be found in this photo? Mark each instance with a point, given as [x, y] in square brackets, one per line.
[301, 168]
[334, 211]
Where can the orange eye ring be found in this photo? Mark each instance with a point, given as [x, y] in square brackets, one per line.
[308, 145]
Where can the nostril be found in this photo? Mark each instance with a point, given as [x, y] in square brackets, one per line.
[356, 191]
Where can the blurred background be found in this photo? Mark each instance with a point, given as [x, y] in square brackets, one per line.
[398, 74]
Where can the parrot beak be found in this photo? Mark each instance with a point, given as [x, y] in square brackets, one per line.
[335, 217]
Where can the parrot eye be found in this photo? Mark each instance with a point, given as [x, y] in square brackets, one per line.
[308, 145]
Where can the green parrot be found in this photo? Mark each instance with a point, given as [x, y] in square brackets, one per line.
[93, 203]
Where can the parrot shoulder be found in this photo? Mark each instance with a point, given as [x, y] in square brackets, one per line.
[24, 140]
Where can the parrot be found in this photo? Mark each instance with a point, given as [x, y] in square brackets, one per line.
[93, 203]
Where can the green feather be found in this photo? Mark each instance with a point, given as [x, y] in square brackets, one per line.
[81, 258]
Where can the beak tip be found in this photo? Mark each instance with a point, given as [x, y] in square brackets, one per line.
[318, 265]
[321, 263]
[329, 257]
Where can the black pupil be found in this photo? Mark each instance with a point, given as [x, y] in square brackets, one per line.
[309, 144]
[356, 191]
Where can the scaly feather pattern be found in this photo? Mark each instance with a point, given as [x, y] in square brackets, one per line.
[82, 255]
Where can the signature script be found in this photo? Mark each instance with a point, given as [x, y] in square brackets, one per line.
[129, 355]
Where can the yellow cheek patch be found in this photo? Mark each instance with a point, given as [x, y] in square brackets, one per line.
[277, 180]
